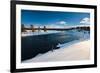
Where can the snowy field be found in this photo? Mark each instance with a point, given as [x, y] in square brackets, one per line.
[29, 33]
[77, 51]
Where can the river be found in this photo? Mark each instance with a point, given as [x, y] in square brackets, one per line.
[36, 44]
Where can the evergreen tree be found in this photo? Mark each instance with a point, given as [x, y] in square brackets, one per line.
[45, 29]
[22, 28]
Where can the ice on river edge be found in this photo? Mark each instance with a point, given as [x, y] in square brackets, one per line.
[79, 49]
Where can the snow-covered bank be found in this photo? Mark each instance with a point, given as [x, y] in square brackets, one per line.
[24, 34]
[77, 51]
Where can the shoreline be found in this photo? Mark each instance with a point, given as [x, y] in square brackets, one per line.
[77, 51]
[25, 34]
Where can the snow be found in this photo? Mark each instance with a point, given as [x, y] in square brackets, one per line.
[77, 51]
[29, 33]
[82, 34]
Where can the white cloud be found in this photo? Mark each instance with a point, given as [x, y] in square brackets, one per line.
[85, 20]
[55, 26]
[59, 24]
[62, 22]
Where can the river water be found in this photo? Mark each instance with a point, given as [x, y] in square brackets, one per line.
[36, 44]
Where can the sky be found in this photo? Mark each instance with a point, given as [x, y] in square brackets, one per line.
[54, 18]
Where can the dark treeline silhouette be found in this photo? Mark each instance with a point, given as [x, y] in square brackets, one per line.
[84, 28]
[23, 28]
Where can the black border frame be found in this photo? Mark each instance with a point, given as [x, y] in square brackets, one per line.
[13, 36]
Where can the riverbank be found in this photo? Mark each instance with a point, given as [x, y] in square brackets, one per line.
[77, 51]
[25, 34]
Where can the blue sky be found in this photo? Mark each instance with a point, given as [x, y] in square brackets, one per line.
[41, 18]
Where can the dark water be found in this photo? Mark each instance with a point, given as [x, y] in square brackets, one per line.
[33, 45]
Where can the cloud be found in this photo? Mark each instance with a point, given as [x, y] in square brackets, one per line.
[85, 20]
[57, 25]
[62, 22]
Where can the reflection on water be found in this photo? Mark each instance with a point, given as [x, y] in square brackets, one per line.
[33, 45]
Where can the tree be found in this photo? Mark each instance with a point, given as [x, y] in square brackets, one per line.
[32, 27]
[45, 29]
[38, 28]
[22, 28]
